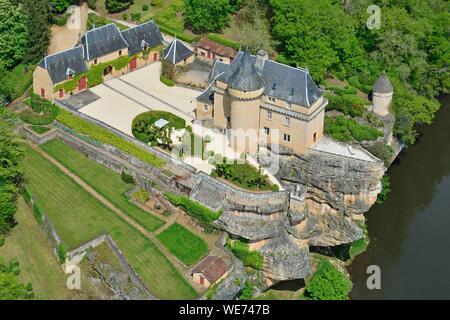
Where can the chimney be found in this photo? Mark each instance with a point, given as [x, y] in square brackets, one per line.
[261, 57]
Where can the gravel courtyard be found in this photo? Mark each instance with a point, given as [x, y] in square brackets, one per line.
[123, 98]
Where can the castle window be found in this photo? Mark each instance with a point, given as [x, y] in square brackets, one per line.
[272, 99]
[287, 121]
[269, 114]
[120, 53]
[289, 105]
[315, 136]
[228, 119]
[266, 130]
[95, 61]
[292, 92]
[287, 137]
[205, 107]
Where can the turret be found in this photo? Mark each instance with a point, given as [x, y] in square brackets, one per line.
[383, 91]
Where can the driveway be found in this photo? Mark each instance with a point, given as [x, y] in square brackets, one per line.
[123, 98]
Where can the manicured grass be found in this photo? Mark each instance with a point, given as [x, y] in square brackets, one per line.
[105, 181]
[185, 245]
[103, 135]
[142, 122]
[79, 217]
[28, 244]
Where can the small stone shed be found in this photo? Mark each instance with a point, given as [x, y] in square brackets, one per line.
[209, 271]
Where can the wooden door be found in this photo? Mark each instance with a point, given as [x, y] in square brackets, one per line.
[82, 84]
[133, 64]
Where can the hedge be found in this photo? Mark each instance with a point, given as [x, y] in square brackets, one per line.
[203, 214]
[168, 82]
[26, 194]
[62, 253]
[222, 40]
[105, 136]
[94, 75]
[180, 35]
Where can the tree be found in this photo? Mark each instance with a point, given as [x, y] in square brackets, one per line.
[328, 283]
[255, 35]
[10, 175]
[207, 15]
[13, 33]
[10, 286]
[38, 12]
[60, 6]
[114, 6]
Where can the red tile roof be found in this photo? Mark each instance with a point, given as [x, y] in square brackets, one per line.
[212, 268]
[217, 48]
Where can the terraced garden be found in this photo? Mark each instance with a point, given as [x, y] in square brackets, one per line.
[105, 181]
[79, 217]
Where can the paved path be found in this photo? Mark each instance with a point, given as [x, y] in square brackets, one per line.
[181, 267]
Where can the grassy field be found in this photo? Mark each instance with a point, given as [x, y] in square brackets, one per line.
[38, 265]
[185, 245]
[105, 181]
[79, 217]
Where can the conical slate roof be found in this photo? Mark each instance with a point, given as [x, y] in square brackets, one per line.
[383, 85]
[244, 76]
[177, 52]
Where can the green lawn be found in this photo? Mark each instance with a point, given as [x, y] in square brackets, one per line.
[105, 181]
[79, 217]
[185, 245]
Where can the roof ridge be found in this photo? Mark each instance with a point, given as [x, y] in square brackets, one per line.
[101, 27]
[62, 51]
[139, 25]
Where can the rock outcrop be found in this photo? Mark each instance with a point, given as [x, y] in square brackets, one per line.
[232, 284]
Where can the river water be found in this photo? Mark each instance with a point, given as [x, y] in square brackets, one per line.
[410, 231]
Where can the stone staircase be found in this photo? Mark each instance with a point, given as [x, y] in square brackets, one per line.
[209, 193]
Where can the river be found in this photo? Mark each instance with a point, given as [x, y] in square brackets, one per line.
[410, 231]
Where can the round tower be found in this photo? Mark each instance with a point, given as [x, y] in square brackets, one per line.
[383, 91]
[245, 88]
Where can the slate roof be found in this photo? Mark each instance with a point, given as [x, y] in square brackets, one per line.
[383, 85]
[207, 96]
[212, 268]
[102, 41]
[61, 64]
[283, 82]
[177, 52]
[244, 76]
[144, 34]
[217, 48]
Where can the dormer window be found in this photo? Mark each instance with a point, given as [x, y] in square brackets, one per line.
[291, 94]
[274, 86]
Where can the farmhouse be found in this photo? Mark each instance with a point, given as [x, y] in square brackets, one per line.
[102, 53]
[210, 51]
[209, 271]
[271, 102]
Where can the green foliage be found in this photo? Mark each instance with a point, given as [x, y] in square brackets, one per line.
[61, 20]
[275, 188]
[125, 16]
[249, 258]
[144, 130]
[347, 103]
[145, 7]
[385, 189]
[243, 175]
[114, 6]
[247, 291]
[10, 286]
[103, 135]
[207, 15]
[383, 152]
[222, 40]
[26, 194]
[168, 82]
[41, 111]
[60, 6]
[127, 178]
[141, 196]
[328, 283]
[38, 15]
[10, 175]
[193, 208]
[359, 246]
[40, 129]
[62, 253]
[135, 16]
[2, 240]
[94, 75]
[14, 83]
[37, 212]
[157, 3]
[92, 4]
[186, 246]
[346, 129]
[100, 21]
[13, 33]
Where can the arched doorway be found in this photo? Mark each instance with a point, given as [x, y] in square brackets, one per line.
[133, 64]
[108, 70]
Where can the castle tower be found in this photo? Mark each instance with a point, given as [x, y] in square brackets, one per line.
[245, 88]
[383, 91]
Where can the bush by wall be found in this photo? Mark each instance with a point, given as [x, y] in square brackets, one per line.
[127, 178]
[62, 253]
[168, 82]
[249, 258]
[103, 135]
[345, 129]
[41, 111]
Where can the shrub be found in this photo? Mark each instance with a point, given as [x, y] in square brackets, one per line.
[41, 111]
[328, 283]
[26, 194]
[125, 16]
[127, 178]
[157, 3]
[275, 188]
[103, 135]
[61, 251]
[345, 129]
[382, 151]
[2, 240]
[143, 129]
[348, 104]
[92, 4]
[141, 196]
[37, 212]
[40, 129]
[247, 291]
[385, 189]
[135, 16]
[145, 7]
[61, 20]
[168, 82]
[114, 6]
[249, 258]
